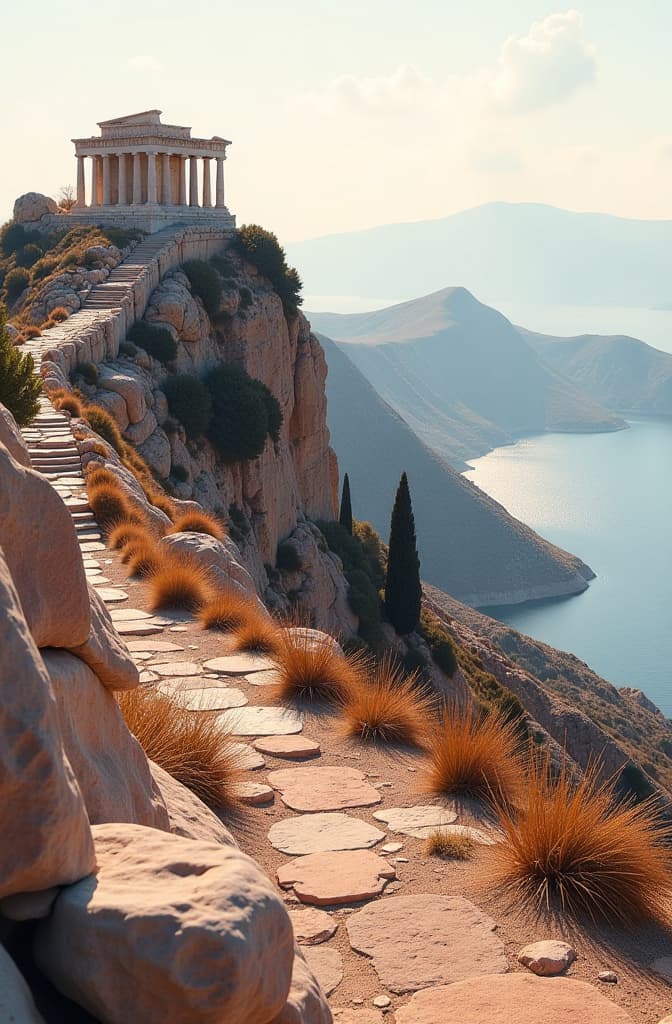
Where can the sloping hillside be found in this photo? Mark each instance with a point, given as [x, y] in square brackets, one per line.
[518, 252]
[469, 545]
[623, 373]
[461, 375]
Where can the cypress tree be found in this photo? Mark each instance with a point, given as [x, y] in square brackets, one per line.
[403, 593]
[345, 517]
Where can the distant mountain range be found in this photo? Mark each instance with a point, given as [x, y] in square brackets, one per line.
[515, 252]
[461, 375]
[469, 544]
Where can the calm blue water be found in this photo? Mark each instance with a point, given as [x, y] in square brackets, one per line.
[608, 499]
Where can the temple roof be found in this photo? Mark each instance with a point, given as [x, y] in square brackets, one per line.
[144, 117]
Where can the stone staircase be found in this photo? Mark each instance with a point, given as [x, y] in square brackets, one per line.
[110, 293]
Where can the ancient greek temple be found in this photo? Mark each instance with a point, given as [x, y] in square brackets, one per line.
[148, 173]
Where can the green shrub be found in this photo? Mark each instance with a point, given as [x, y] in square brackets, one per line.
[180, 473]
[44, 267]
[28, 255]
[14, 236]
[240, 420]
[362, 554]
[224, 265]
[90, 373]
[157, 342]
[16, 282]
[205, 282]
[273, 410]
[239, 528]
[439, 643]
[122, 237]
[364, 600]
[127, 348]
[262, 249]
[287, 558]
[19, 387]
[189, 400]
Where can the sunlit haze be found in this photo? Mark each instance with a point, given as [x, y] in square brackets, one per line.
[347, 115]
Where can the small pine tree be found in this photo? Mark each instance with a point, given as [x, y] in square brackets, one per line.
[19, 387]
[345, 517]
[403, 593]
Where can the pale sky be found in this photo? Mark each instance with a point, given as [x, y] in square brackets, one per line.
[353, 113]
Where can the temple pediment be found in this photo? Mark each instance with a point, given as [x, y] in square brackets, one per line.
[144, 117]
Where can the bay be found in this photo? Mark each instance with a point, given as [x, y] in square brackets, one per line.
[608, 499]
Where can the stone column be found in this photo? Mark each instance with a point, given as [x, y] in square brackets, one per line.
[219, 186]
[107, 181]
[207, 185]
[151, 179]
[193, 181]
[122, 183]
[137, 180]
[81, 183]
[181, 181]
[167, 196]
[95, 180]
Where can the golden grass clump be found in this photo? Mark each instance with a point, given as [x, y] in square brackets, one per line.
[145, 558]
[572, 847]
[476, 755]
[449, 847]
[311, 669]
[389, 706]
[59, 314]
[260, 634]
[109, 504]
[180, 584]
[199, 522]
[191, 747]
[162, 502]
[69, 403]
[102, 475]
[126, 532]
[226, 610]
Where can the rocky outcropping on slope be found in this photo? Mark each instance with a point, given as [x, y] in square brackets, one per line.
[85, 816]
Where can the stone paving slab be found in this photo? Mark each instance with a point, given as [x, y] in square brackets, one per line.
[219, 698]
[153, 646]
[137, 628]
[248, 758]
[112, 595]
[418, 941]
[255, 794]
[176, 668]
[239, 664]
[261, 721]
[323, 788]
[418, 821]
[292, 748]
[331, 878]
[327, 966]
[320, 833]
[312, 926]
[126, 614]
[512, 999]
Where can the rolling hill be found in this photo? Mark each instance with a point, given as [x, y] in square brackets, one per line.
[461, 375]
[469, 544]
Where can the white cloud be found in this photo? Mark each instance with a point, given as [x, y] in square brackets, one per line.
[402, 90]
[545, 66]
[144, 62]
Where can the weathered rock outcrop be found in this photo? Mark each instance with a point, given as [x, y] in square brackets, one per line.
[10, 436]
[32, 206]
[219, 947]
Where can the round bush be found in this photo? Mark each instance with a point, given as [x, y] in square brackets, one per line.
[239, 424]
[156, 341]
[273, 410]
[17, 281]
[190, 402]
[29, 255]
[287, 558]
[205, 282]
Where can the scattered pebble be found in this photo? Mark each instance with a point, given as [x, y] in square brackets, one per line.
[608, 977]
[380, 1002]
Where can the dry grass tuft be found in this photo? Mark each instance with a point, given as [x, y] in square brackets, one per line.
[310, 670]
[69, 403]
[163, 503]
[226, 610]
[180, 584]
[389, 706]
[260, 634]
[127, 532]
[199, 522]
[102, 475]
[572, 847]
[109, 504]
[449, 847]
[192, 748]
[476, 755]
[146, 558]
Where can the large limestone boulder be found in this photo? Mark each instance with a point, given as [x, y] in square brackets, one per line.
[46, 839]
[155, 450]
[221, 558]
[109, 763]
[170, 929]
[105, 652]
[306, 1003]
[10, 436]
[16, 1002]
[187, 815]
[43, 556]
[171, 305]
[32, 206]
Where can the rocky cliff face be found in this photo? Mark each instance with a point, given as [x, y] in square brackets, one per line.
[271, 498]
